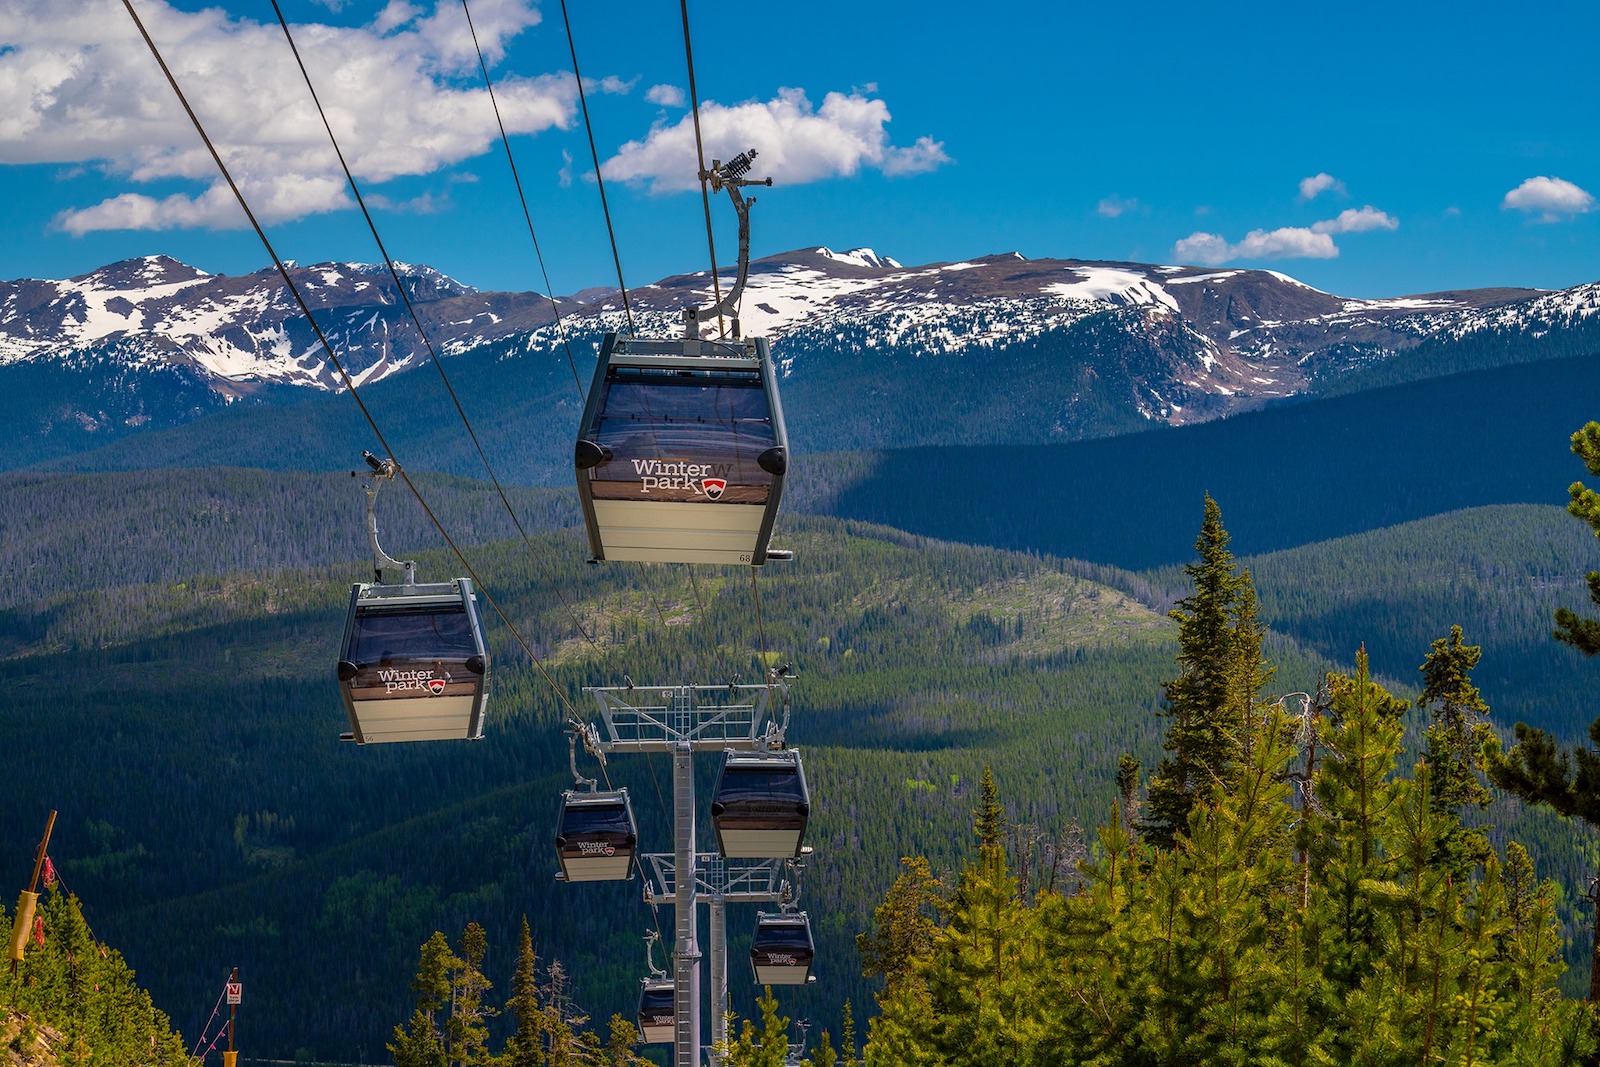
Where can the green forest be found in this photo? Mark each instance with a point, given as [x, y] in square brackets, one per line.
[168, 653]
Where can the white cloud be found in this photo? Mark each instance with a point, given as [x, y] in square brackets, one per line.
[1554, 199]
[796, 143]
[82, 88]
[1112, 206]
[1354, 220]
[1286, 242]
[1201, 247]
[1314, 186]
[665, 95]
[1289, 242]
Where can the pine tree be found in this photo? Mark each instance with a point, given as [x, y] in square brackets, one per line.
[1128, 768]
[1355, 792]
[903, 926]
[989, 819]
[768, 1047]
[984, 969]
[1580, 632]
[525, 1047]
[1457, 738]
[622, 1035]
[847, 1037]
[468, 1028]
[1541, 773]
[1211, 704]
[421, 1043]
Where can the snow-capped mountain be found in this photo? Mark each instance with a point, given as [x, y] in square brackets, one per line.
[1020, 349]
[240, 332]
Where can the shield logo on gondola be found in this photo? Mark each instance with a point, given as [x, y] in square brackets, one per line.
[435, 686]
[713, 487]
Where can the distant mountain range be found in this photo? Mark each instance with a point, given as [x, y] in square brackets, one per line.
[995, 350]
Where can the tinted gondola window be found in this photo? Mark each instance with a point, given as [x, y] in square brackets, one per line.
[427, 633]
[741, 786]
[596, 819]
[788, 936]
[683, 436]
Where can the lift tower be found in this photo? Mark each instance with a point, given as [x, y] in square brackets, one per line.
[683, 720]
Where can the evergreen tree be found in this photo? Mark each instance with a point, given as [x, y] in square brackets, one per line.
[468, 1028]
[417, 1044]
[903, 926]
[1578, 631]
[436, 965]
[768, 1047]
[983, 972]
[525, 1047]
[1540, 772]
[1355, 793]
[847, 1037]
[1457, 730]
[1211, 704]
[989, 819]
[621, 1036]
[421, 1042]
[1128, 768]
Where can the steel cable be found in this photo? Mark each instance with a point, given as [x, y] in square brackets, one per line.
[521, 196]
[416, 320]
[299, 298]
[594, 154]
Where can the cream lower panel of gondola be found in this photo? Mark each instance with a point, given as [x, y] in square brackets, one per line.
[778, 974]
[758, 844]
[607, 869]
[675, 532]
[415, 718]
[658, 1034]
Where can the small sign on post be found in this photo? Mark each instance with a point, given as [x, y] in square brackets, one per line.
[235, 992]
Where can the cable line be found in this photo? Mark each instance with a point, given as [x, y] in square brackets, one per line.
[599, 179]
[526, 213]
[299, 298]
[705, 177]
[761, 630]
[416, 320]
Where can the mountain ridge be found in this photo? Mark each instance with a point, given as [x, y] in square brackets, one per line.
[994, 350]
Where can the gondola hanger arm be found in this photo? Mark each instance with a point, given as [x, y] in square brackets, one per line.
[729, 176]
[379, 471]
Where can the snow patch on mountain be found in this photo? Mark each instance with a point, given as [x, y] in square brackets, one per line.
[1112, 285]
[860, 257]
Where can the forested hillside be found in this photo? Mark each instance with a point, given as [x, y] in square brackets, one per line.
[1285, 476]
[190, 727]
[74, 1000]
[175, 701]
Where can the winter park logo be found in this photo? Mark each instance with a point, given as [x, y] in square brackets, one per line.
[398, 681]
[596, 848]
[709, 480]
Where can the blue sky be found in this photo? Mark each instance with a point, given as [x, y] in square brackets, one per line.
[1367, 149]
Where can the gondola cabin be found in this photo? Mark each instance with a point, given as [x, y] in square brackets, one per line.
[414, 666]
[761, 804]
[596, 836]
[682, 452]
[782, 950]
[657, 1012]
